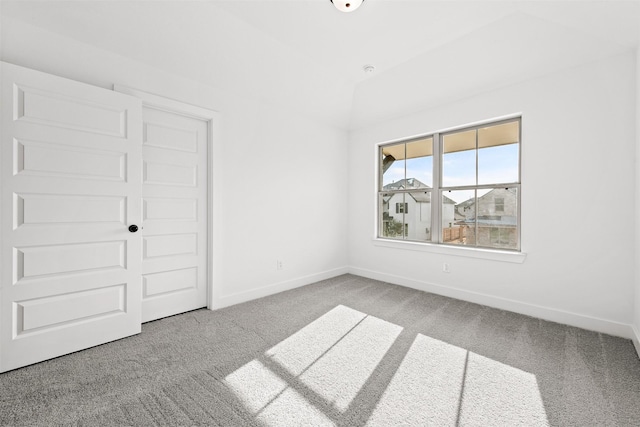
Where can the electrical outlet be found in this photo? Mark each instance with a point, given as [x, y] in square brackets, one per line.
[279, 265]
[445, 268]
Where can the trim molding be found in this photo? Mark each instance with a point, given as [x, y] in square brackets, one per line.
[240, 297]
[636, 339]
[463, 251]
[559, 316]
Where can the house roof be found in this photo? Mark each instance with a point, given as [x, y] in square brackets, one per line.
[406, 184]
[471, 201]
[418, 196]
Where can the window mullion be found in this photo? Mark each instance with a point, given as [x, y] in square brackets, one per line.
[477, 207]
[404, 197]
[476, 228]
[477, 158]
[436, 197]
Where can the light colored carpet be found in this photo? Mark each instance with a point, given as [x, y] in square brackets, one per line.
[347, 351]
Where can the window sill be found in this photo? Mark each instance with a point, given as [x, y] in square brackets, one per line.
[488, 254]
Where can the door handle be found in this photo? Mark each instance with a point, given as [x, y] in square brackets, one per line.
[133, 228]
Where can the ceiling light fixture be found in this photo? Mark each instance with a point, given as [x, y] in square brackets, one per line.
[347, 5]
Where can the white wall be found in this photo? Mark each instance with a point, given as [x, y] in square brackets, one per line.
[578, 132]
[266, 157]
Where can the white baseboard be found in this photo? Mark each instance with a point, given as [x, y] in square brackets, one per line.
[636, 339]
[559, 316]
[275, 288]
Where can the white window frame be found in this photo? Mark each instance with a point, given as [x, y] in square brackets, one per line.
[435, 245]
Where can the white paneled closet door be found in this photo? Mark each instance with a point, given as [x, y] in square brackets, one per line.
[71, 161]
[175, 151]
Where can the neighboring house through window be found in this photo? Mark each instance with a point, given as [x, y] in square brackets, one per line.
[459, 187]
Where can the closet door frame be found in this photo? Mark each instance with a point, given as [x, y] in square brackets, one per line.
[213, 119]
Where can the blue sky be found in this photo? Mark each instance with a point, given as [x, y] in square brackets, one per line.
[496, 165]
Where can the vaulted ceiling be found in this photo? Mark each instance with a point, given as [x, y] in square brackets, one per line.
[306, 55]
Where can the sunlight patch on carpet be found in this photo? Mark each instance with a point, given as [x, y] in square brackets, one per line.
[499, 394]
[255, 385]
[440, 384]
[331, 358]
[306, 346]
[339, 375]
[291, 409]
[269, 398]
[425, 389]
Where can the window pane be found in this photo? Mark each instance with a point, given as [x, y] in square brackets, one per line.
[497, 165]
[418, 215]
[458, 217]
[420, 163]
[498, 148]
[498, 229]
[392, 222]
[459, 159]
[392, 163]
